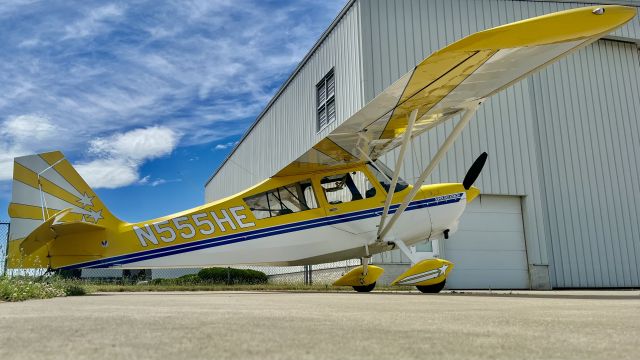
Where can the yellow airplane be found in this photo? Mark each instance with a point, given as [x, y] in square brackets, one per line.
[336, 201]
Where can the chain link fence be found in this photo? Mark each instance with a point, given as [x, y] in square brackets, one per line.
[5, 228]
[290, 275]
[4, 246]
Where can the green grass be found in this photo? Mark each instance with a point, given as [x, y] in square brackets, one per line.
[20, 288]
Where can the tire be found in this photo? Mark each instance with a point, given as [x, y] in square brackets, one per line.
[432, 289]
[365, 288]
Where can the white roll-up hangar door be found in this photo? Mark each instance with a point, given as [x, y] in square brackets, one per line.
[488, 249]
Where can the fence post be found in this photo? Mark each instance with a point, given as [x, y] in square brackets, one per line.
[306, 275]
[308, 278]
[5, 253]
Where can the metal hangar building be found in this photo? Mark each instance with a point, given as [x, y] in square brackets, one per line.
[561, 204]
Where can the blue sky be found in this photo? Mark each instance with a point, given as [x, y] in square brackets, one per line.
[146, 98]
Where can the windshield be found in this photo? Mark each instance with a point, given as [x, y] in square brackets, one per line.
[384, 175]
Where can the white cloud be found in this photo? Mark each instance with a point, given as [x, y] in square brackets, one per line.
[225, 145]
[144, 180]
[93, 22]
[138, 144]
[23, 135]
[157, 182]
[29, 130]
[6, 163]
[119, 156]
[147, 180]
[9, 7]
[109, 173]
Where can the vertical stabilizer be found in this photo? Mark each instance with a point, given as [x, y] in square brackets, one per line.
[44, 185]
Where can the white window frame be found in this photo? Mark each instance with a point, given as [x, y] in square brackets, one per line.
[322, 104]
[422, 255]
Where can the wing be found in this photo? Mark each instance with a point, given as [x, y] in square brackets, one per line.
[448, 81]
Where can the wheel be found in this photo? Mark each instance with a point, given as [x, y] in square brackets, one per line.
[365, 288]
[432, 289]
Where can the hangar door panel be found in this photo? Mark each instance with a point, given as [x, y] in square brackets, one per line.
[489, 248]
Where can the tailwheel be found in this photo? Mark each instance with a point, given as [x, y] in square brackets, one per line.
[365, 288]
[431, 289]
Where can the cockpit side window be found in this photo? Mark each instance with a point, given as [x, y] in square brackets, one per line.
[284, 200]
[384, 175]
[351, 186]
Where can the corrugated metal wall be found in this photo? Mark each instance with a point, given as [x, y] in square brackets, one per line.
[377, 41]
[288, 128]
[588, 109]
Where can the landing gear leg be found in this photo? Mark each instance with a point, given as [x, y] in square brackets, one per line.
[365, 267]
[365, 272]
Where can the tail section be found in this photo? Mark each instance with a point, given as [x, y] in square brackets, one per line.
[50, 201]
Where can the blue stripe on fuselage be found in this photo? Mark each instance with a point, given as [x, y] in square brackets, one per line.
[260, 233]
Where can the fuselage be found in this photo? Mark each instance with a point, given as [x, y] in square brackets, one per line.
[292, 220]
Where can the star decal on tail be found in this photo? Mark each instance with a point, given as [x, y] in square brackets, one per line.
[89, 214]
[86, 200]
[95, 215]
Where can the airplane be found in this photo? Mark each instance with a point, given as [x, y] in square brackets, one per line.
[337, 201]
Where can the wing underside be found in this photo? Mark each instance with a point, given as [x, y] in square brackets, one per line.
[456, 77]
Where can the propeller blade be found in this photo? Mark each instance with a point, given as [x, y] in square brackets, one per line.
[474, 171]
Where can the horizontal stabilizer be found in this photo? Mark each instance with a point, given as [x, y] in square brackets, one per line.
[54, 228]
[42, 234]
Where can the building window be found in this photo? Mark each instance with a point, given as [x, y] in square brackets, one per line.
[326, 100]
[283, 200]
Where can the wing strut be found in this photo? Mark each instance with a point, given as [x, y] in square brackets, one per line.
[373, 164]
[429, 169]
[396, 173]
